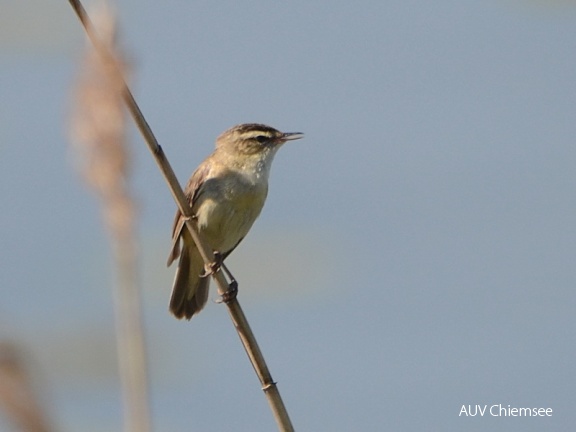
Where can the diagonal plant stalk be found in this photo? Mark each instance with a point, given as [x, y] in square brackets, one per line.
[236, 314]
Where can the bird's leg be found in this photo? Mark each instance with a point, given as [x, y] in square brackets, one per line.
[216, 265]
[232, 290]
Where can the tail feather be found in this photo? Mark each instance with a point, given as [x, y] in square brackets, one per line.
[190, 291]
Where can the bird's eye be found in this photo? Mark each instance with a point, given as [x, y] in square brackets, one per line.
[261, 139]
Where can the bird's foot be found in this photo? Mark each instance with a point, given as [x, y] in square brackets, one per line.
[232, 291]
[230, 294]
[214, 266]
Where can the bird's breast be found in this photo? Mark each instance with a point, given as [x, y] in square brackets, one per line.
[227, 208]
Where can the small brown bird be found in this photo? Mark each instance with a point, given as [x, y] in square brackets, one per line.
[226, 192]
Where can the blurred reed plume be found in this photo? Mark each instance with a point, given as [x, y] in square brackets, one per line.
[98, 132]
[17, 398]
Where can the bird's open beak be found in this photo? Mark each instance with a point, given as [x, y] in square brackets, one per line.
[291, 136]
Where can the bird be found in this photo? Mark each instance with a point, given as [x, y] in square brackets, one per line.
[226, 193]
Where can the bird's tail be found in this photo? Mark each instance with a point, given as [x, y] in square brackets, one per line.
[190, 291]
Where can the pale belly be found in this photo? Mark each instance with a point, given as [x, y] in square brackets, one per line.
[225, 219]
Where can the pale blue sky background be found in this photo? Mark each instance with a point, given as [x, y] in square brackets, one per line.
[416, 252]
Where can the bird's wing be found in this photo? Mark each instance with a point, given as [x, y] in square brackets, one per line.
[191, 191]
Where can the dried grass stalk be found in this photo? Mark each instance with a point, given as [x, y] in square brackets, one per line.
[17, 397]
[99, 137]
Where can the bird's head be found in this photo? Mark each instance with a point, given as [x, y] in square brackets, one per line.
[253, 138]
